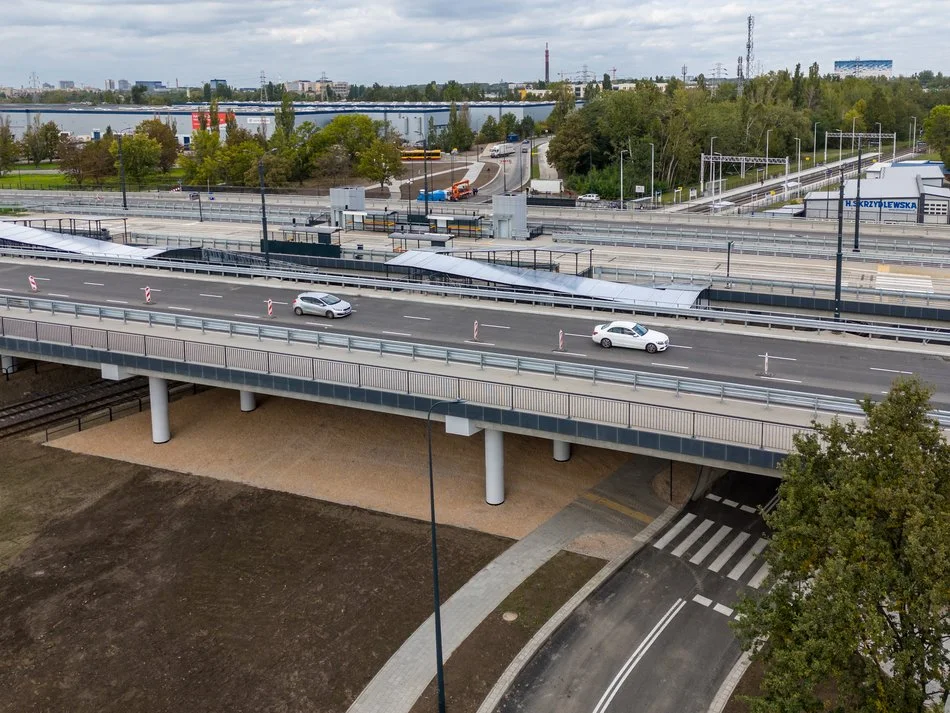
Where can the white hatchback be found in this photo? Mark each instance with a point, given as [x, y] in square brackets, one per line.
[632, 335]
[321, 303]
[589, 198]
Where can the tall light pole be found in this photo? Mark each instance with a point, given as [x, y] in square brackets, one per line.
[720, 182]
[838, 256]
[266, 241]
[857, 204]
[622, 152]
[913, 138]
[769, 131]
[879, 146]
[711, 139]
[853, 120]
[652, 192]
[814, 147]
[798, 143]
[122, 172]
[436, 600]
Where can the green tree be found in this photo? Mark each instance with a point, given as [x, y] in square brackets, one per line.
[606, 85]
[33, 144]
[9, 151]
[937, 128]
[138, 94]
[859, 566]
[71, 161]
[489, 131]
[49, 133]
[508, 124]
[166, 136]
[354, 132]
[140, 154]
[285, 117]
[98, 162]
[202, 166]
[381, 161]
[570, 149]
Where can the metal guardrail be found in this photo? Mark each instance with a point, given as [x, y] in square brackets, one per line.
[746, 318]
[595, 374]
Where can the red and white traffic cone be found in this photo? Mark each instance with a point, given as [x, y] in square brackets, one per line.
[270, 308]
[32, 283]
[560, 340]
[148, 295]
[475, 332]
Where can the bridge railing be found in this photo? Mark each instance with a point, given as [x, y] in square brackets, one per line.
[815, 403]
[597, 410]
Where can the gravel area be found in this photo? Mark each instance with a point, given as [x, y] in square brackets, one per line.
[321, 451]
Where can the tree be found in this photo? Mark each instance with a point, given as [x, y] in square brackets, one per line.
[138, 93]
[9, 151]
[859, 565]
[165, 135]
[97, 159]
[490, 131]
[49, 134]
[140, 154]
[284, 117]
[354, 132]
[380, 162]
[71, 161]
[33, 144]
[606, 85]
[937, 128]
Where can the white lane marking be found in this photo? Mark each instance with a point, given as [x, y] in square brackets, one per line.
[95, 284]
[746, 508]
[747, 559]
[890, 371]
[759, 576]
[202, 294]
[770, 505]
[319, 324]
[772, 356]
[692, 537]
[495, 326]
[118, 302]
[247, 316]
[5, 289]
[678, 346]
[183, 309]
[151, 289]
[730, 503]
[669, 366]
[409, 316]
[570, 334]
[775, 378]
[570, 353]
[710, 545]
[278, 303]
[56, 294]
[45, 279]
[638, 654]
[700, 599]
[397, 334]
[674, 531]
[484, 344]
[727, 553]
[711, 496]
[723, 609]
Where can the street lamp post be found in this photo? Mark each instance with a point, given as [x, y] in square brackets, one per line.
[913, 138]
[814, 146]
[719, 181]
[122, 172]
[652, 192]
[711, 139]
[879, 147]
[622, 152]
[436, 601]
[857, 204]
[260, 174]
[838, 256]
[853, 120]
[769, 131]
[798, 145]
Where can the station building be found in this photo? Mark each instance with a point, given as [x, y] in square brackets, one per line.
[902, 192]
[408, 119]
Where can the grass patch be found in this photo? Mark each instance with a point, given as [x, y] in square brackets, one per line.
[59, 181]
[473, 669]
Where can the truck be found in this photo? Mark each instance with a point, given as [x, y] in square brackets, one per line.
[460, 189]
[502, 150]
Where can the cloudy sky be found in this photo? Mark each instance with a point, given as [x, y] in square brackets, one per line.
[415, 41]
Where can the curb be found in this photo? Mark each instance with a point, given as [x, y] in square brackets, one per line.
[544, 633]
[730, 683]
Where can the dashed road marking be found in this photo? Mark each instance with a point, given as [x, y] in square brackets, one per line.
[710, 545]
[669, 366]
[409, 316]
[692, 537]
[730, 550]
[723, 609]
[711, 496]
[744, 563]
[775, 378]
[730, 503]
[891, 371]
[746, 508]
[700, 599]
[571, 334]
[494, 326]
[56, 294]
[396, 334]
[219, 297]
[95, 284]
[118, 302]
[678, 346]
[480, 343]
[248, 316]
[772, 356]
[181, 309]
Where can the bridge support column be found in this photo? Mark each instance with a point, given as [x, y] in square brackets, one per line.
[248, 402]
[8, 364]
[562, 451]
[158, 401]
[494, 467]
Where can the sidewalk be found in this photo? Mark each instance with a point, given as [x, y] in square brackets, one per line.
[404, 678]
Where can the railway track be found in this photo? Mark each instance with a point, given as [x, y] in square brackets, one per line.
[36, 414]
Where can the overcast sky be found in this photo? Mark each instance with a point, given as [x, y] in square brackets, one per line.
[415, 41]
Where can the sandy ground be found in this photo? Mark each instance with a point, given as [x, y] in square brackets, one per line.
[354, 457]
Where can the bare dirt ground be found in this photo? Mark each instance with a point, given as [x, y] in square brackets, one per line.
[35, 379]
[126, 588]
[354, 457]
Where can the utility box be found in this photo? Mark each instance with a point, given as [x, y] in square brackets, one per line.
[346, 198]
[509, 218]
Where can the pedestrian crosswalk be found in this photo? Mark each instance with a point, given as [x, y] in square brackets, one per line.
[704, 544]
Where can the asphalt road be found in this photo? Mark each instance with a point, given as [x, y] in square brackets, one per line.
[655, 637]
[808, 366]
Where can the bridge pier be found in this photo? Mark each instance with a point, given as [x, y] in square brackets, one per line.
[8, 364]
[494, 466]
[562, 450]
[248, 401]
[158, 401]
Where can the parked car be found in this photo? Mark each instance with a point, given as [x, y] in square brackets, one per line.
[589, 198]
[631, 335]
[321, 303]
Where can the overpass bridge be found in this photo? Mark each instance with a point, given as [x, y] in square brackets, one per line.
[691, 420]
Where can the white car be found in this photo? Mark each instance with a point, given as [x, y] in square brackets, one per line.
[589, 198]
[630, 334]
[321, 303]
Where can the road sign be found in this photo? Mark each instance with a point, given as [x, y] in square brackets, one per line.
[640, 189]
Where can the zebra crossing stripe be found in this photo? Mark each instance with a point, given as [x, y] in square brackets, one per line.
[747, 560]
[692, 537]
[727, 553]
[711, 545]
[759, 576]
[674, 531]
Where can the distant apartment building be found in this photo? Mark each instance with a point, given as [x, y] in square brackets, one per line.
[110, 85]
[66, 84]
[321, 89]
[124, 85]
[151, 85]
[215, 83]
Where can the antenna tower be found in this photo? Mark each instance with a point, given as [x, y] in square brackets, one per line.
[683, 69]
[739, 76]
[749, 54]
[547, 64]
[263, 87]
[614, 71]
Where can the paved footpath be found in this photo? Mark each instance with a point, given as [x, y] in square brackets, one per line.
[405, 676]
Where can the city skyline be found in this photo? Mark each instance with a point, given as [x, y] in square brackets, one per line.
[290, 40]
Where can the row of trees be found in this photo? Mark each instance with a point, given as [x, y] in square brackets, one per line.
[681, 121]
[40, 143]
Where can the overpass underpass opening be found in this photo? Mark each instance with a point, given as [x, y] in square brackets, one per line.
[540, 281]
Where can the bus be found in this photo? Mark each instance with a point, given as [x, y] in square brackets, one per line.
[421, 155]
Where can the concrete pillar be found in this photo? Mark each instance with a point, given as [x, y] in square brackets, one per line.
[248, 402]
[7, 364]
[562, 451]
[494, 467]
[158, 399]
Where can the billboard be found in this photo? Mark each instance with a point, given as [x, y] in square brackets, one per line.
[196, 125]
[864, 67]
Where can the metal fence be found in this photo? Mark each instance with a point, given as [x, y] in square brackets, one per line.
[733, 430]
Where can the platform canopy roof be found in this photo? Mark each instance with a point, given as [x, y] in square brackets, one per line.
[528, 279]
[45, 240]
